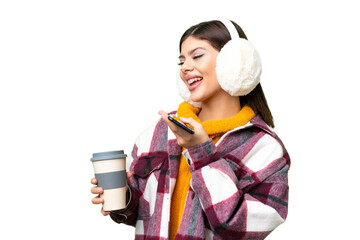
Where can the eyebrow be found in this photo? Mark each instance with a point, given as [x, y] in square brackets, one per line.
[191, 52]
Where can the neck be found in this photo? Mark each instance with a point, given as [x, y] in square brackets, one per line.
[223, 106]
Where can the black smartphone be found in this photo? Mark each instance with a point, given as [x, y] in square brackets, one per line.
[180, 125]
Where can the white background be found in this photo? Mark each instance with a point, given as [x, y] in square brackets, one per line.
[79, 77]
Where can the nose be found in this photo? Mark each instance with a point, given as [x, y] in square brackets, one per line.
[187, 66]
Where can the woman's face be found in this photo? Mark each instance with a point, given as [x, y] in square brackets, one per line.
[198, 61]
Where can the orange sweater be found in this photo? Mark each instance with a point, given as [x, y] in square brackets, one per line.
[215, 129]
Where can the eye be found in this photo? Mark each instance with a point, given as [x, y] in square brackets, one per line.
[198, 56]
[181, 60]
[195, 57]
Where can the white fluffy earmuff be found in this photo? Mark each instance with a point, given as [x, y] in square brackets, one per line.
[238, 67]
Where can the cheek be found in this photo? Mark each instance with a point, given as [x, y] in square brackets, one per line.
[181, 74]
[210, 71]
[209, 65]
[211, 74]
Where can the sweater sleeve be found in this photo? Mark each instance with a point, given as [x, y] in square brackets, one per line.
[242, 194]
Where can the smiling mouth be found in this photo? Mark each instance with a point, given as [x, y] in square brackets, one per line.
[193, 80]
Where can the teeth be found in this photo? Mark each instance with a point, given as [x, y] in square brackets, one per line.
[191, 81]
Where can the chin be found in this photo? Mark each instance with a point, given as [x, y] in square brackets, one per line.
[196, 98]
[201, 95]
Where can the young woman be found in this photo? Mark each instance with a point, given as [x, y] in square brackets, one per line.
[228, 180]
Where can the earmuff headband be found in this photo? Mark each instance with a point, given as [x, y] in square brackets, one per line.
[230, 27]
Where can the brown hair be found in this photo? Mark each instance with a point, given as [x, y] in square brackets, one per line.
[217, 35]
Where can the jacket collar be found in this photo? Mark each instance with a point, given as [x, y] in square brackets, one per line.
[257, 121]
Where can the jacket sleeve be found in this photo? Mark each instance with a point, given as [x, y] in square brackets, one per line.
[141, 166]
[129, 214]
[243, 194]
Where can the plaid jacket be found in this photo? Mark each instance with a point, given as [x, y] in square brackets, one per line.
[238, 190]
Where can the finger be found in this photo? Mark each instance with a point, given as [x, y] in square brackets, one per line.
[172, 125]
[105, 213]
[128, 175]
[97, 200]
[94, 181]
[192, 122]
[97, 190]
[164, 116]
[195, 125]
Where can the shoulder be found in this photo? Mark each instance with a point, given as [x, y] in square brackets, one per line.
[258, 122]
[259, 146]
[267, 147]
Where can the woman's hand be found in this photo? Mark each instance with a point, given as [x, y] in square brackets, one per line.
[184, 138]
[98, 191]
[98, 199]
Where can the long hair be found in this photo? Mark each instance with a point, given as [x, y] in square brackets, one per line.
[217, 35]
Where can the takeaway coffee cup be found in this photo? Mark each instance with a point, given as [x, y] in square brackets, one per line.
[110, 172]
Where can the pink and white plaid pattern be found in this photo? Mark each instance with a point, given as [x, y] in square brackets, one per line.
[239, 187]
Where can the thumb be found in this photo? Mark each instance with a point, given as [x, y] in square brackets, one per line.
[192, 122]
[128, 175]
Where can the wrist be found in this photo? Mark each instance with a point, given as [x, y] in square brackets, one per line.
[201, 155]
